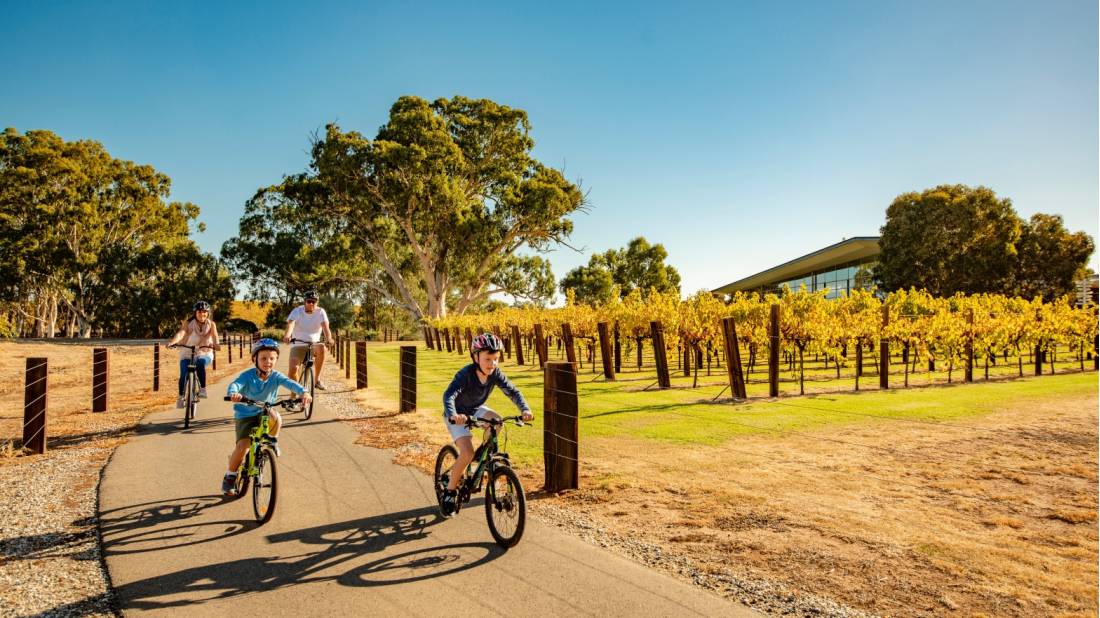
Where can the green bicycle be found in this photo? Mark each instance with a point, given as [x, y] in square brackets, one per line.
[505, 502]
[258, 465]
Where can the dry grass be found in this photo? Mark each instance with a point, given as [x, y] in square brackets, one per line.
[992, 515]
[69, 417]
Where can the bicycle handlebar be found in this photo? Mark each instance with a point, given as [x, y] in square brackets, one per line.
[293, 340]
[472, 422]
[263, 404]
[190, 347]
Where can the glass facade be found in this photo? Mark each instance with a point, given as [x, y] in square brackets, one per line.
[839, 280]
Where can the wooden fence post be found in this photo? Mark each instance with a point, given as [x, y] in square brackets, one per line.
[101, 367]
[540, 345]
[560, 435]
[35, 400]
[567, 341]
[773, 351]
[347, 356]
[517, 344]
[156, 367]
[884, 351]
[458, 340]
[605, 351]
[360, 364]
[658, 333]
[240, 346]
[733, 359]
[408, 378]
[229, 349]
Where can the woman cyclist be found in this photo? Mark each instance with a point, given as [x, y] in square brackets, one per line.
[197, 330]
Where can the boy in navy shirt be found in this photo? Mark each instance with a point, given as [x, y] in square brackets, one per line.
[465, 398]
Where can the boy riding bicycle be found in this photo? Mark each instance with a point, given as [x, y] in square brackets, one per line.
[260, 383]
[465, 397]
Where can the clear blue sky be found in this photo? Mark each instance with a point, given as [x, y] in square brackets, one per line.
[738, 134]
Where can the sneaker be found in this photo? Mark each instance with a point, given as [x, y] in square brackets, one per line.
[202, 393]
[321, 385]
[229, 484]
[447, 506]
[181, 402]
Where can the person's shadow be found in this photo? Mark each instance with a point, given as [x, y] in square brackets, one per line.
[336, 544]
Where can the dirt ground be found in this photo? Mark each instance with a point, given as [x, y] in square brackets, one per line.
[991, 516]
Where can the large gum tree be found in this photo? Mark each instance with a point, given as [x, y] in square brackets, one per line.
[439, 205]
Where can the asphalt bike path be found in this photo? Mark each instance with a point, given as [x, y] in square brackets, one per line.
[352, 534]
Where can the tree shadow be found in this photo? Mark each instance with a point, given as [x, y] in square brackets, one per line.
[336, 544]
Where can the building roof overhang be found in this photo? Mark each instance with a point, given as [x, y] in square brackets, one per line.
[848, 250]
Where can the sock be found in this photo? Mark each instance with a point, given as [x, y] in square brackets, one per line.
[231, 473]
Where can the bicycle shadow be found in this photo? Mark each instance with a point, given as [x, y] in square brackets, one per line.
[339, 547]
[137, 528]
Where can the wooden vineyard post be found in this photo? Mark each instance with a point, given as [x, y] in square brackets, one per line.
[560, 435]
[733, 359]
[658, 333]
[360, 364]
[773, 352]
[567, 341]
[156, 367]
[969, 352]
[605, 351]
[618, 350]
[408, 378]
[517, 344]
[540, 345]
[884, 351]
[101, 367]
[458, 340]
[35, 400]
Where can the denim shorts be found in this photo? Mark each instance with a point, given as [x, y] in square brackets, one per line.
[460, 431]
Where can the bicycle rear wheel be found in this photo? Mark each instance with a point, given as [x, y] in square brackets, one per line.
[444, 462]
[264, 489]
[505, 507]
[308, 383]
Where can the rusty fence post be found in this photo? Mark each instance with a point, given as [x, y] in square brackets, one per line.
[156, 367]
[35, 400]
[605, 350]
[733, 359]
[347, 355]
[560, 435]
[773, 352]
[408, 378]
[657, 332]
[101, 368]
[360, 364]
[884, 352]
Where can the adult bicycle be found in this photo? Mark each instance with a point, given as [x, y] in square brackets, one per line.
[191, 386]
[306, 376]
[505, 502]
[258, 466]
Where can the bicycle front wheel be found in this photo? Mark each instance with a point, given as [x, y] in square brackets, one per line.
[308, 384]
[189, 394]
[444, 462]
[264, 486]
[505, 507]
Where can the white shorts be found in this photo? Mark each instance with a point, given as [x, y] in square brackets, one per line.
[461, 431]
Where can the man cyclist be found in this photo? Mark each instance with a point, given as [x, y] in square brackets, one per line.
[306, 323]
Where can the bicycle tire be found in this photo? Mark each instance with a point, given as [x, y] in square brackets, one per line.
[444, 461]
[309, 383]
[265, 488]
[505, 510]
[188, 392]
[242, 479]
[194, 396]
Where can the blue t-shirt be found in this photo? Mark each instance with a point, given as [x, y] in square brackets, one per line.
[250, 385]
[466, 392]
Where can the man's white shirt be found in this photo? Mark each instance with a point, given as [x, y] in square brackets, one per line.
[307, 326]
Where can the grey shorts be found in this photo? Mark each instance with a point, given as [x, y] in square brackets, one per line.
[460, 431]
[245, 426]
[298, 353]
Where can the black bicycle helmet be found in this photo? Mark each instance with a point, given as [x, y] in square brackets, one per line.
[311, 295]
[202, 305]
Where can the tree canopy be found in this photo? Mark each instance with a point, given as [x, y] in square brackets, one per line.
[78, 228]
[430, 213]
[639, 265]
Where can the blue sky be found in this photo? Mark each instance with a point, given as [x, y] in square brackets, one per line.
[737, 134]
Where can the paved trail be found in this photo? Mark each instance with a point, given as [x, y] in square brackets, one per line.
[353, 534]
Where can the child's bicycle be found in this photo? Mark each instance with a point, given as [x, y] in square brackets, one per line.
[258, 465]
[191, 387]
[505, 503]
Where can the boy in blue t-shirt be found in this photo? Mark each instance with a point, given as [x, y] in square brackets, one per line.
[466, 396]
[261, 383]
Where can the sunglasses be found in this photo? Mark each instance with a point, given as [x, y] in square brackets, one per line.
[311, 301]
